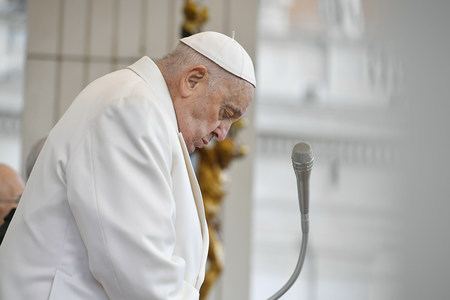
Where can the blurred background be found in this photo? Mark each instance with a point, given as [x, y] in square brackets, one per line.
[363, 81]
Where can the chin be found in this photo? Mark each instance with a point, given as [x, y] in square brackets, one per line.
[191, 149]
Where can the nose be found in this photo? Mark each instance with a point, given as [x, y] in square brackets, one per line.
[222, 130]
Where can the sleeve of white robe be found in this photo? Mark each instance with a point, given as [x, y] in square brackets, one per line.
[120, 193]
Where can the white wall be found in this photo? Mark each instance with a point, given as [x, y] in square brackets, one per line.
[421, 35]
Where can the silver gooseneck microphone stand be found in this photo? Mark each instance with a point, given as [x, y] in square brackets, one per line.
[302, 161]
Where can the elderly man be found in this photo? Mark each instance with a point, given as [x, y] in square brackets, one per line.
[11, 188]
[112, 209]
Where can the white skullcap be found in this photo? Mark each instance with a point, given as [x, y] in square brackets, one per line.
[225, 52]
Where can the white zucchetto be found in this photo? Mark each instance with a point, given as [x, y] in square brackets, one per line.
[224, 51]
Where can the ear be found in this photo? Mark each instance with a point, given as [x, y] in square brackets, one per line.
[191, 80]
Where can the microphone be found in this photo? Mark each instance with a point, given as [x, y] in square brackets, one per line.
[302, 161]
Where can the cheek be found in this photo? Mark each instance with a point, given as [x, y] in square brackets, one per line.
[206, 122]
[204, 119]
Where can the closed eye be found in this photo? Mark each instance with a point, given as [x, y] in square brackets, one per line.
[229, 112]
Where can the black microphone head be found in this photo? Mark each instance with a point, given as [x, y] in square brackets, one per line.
[302, 155]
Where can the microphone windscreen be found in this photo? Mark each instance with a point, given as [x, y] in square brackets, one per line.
[302, 154]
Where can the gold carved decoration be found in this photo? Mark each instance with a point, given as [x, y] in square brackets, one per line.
[194, 18]
[212, 160]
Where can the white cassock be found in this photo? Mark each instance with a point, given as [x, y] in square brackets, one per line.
[112, 209]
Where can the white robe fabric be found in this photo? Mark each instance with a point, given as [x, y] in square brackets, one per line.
[112, 209]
